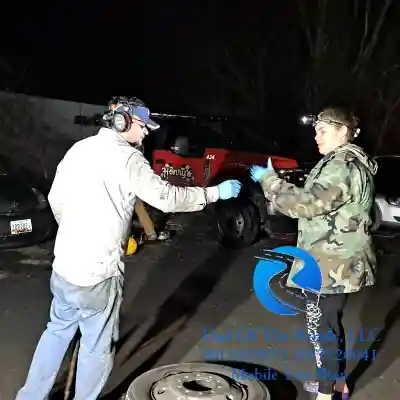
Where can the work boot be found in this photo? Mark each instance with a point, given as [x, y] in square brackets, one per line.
[162, 235]
[311, 386]
[341, 389]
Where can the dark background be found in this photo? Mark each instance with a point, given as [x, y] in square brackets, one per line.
[268, 60]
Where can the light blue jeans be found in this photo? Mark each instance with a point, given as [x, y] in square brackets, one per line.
[95, 311]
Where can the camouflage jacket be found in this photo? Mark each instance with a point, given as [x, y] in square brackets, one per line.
[334, 213]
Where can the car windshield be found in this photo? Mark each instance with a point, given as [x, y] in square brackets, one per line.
[200, 136]
[229, 135]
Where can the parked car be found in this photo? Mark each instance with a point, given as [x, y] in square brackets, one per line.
[387, 199]
[25, 215]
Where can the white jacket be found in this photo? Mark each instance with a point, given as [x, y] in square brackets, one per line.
[93, 197]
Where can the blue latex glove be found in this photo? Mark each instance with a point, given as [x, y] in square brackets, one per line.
[229, 189]
[257, 172]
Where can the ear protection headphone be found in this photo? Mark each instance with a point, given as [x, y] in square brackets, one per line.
[121, 120]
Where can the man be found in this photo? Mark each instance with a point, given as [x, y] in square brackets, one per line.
[93, 198]
[333, 210]
[140, 208]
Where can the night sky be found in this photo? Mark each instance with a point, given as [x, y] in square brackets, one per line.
[139, 48]
[106, 48]
[231, 57]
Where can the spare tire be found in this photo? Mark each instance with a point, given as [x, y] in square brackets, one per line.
[196, 381]
[238, 222]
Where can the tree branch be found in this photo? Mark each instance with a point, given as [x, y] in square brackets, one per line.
[302, 10]
[366, 51]
[364, 38]
[322, 7]
[356, 6]
[390, 107]
[375, 35]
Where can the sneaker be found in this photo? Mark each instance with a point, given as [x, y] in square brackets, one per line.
[311, 386]
[164, 235]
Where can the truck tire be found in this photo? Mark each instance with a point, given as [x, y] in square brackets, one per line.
[158, 217]
[238, 223]
[376, 218]
[192, 381]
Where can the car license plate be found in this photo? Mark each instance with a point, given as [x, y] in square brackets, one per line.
[21, 226]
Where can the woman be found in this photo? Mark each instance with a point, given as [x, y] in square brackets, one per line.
[333, 209]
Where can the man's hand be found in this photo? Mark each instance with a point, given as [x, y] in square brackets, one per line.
[257, 172]
[229, 189]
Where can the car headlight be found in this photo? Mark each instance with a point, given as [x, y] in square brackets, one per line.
[393, 201]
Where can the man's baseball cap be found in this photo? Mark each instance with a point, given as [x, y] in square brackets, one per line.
[143, 113]
[135, 108]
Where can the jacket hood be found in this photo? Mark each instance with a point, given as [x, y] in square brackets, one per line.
[367, 160]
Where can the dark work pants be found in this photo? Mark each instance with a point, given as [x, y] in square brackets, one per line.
[327, 336]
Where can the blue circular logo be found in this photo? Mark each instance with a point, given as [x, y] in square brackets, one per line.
[308, 278]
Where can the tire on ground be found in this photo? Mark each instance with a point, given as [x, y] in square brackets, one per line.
[238, 223]
[195, 380]
[158, 217]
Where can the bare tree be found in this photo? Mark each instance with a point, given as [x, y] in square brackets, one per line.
[246, 71]
[339, 50]
[244, 79]
[349, 48]
[318, 45]
[387, 100]
[371, 33]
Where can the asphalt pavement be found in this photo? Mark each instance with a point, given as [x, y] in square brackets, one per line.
[190, 300]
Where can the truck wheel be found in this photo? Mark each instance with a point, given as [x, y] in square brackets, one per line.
[158, 217]
[238, 222]
[193, 381]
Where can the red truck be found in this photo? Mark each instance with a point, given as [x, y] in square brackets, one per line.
[189, 153]
[189, 150]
